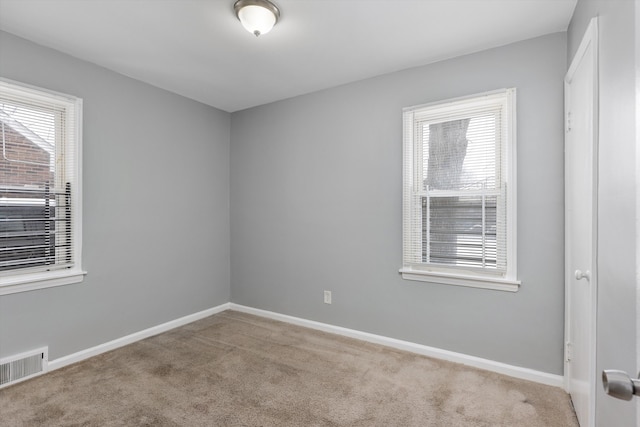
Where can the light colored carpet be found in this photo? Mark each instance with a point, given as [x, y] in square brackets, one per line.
[234, 369]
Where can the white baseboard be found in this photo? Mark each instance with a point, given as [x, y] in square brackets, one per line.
[136, 336]
[476, 362]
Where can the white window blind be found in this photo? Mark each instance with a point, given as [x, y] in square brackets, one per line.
[458, 163]
[39, 181]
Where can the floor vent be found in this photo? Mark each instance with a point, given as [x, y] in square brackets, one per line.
[23, 366]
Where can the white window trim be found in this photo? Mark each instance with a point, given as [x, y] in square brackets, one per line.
[42, 280]
[470, 278]
[23, 282]
[497, 283]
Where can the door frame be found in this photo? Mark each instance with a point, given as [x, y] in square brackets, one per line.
[589, 41]
[637, 183]
[637, 194]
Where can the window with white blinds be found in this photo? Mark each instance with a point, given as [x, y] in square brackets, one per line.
[459, 191]
[39, 188]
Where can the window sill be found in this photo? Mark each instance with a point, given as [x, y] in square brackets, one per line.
[33, 281]
[494, 283]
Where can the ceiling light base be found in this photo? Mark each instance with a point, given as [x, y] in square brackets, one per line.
[257, 16]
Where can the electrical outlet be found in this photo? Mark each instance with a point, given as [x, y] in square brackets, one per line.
[327, 297]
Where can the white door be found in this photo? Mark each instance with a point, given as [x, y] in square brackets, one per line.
[580, 222]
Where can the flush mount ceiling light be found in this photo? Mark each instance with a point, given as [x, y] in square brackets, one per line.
[257, 16]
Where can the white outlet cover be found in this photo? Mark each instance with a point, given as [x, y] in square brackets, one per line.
[327, 297]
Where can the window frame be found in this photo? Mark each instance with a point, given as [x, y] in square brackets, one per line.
[28, 281]
[477, 277]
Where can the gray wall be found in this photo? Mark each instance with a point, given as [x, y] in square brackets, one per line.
[616, 194]
[316, 204]
[156, 209]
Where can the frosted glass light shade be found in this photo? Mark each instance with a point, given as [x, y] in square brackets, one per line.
[257, 16]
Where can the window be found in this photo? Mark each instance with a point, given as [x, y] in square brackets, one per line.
[39, 188]
[459, 192]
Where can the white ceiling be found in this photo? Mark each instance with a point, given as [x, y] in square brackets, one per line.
[198, 49]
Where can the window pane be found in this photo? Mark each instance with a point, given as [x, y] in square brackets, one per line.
[460, 154]
[460, 231]
[28, 146]
[27, 231]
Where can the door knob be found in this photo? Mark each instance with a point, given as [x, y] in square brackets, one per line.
[582, 275]
[618, 384]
